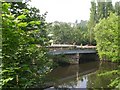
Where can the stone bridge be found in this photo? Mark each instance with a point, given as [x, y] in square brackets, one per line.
[76, 54]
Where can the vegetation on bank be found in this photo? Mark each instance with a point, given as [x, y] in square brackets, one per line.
[107, 33]
[25, 65]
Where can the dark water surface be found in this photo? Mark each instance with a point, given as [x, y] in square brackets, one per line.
[81, 76]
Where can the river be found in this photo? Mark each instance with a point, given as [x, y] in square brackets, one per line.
[84, 75]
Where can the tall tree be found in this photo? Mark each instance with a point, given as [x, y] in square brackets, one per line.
[109, 8]
[104, 8]
[92, 21]
[117, 8]
[101, 9]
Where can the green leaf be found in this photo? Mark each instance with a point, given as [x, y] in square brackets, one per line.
[34, 22]
[21, 16]
[22, 24]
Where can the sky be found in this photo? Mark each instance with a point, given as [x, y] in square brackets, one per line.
[64, 10]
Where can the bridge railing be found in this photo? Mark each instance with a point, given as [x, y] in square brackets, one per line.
[56, 47]
[61, 47]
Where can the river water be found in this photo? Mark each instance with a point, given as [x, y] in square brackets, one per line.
[84, 75]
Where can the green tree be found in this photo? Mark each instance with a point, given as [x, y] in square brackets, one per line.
[81, 31]
[24, 64]
[92, 22]
[69, 33]
[33, 17]
[117, 8]
[109, 7]
[104, 8]
[106, 35]
[101, 9]
[107, 38]
[61, 32]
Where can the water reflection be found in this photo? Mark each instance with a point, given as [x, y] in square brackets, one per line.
[81, 76]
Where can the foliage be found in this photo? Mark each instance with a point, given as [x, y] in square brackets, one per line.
[117, 8]
[99, 10]
[106, 35]
[34, 20]
[68, 33]
[24, 64]
[106, 31]
[107, 38]
[92, 21]
[114, 82]
[104, 9]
